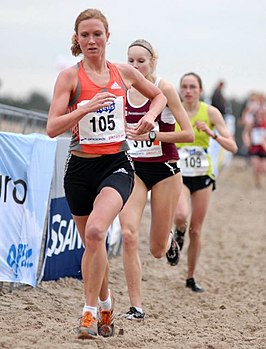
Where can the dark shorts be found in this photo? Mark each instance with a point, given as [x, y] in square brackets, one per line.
[153, 172]
[257, 150]
[85, 177]
[198, 183]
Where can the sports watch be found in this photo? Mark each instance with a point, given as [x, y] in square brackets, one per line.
[215, 135]
[152, 135]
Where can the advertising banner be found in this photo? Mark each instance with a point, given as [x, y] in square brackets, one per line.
[26, 170]
[64, 247]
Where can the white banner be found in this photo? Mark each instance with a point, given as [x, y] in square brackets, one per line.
[26, 169]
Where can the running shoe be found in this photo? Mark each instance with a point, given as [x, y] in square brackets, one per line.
[87, 327]
[106, 321]
[191, 283]
[173, 254]
[180, 238]
[134, 314]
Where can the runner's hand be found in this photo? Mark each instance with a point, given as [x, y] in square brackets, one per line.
[100, 100]
[145, 124]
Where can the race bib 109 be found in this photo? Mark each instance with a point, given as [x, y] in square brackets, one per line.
[193, 161]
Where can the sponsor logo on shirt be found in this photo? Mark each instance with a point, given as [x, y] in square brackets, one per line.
[115, 86]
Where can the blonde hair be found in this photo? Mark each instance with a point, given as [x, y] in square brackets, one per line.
[145, 44]
[154, 57]
[84, 15]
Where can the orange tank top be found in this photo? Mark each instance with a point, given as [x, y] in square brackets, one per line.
[102, 132]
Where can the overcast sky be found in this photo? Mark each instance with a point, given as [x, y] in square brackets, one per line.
[218, 39]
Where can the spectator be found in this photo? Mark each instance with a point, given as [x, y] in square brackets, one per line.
[217, 99]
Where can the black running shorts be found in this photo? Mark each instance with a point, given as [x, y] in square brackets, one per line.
[153, 172]
[198, 183]
[85, 177]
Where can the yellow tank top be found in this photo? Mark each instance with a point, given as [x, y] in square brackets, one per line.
[194, 157]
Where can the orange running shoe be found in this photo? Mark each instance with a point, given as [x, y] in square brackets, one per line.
[106, 321]
[87, 327]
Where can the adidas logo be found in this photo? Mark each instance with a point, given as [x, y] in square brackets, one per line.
[115, 86]
[122, 170]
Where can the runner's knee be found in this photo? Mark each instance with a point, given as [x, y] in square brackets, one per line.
[157, 251]
[130, 239]
[94, 235]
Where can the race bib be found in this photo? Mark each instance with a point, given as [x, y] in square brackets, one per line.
[145, 149]
[257, 135]
[193, 161]
[106, 125]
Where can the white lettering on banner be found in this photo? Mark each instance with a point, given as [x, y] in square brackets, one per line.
[63, 235]
[19, 187]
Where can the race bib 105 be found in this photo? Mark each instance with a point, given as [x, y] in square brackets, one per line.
[106, 125]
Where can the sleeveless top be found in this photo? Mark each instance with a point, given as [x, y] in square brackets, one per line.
[103, 131]
[147, 151]
[194, 157]
[258, 135]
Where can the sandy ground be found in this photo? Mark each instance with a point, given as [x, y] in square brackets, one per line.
[231, 313]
